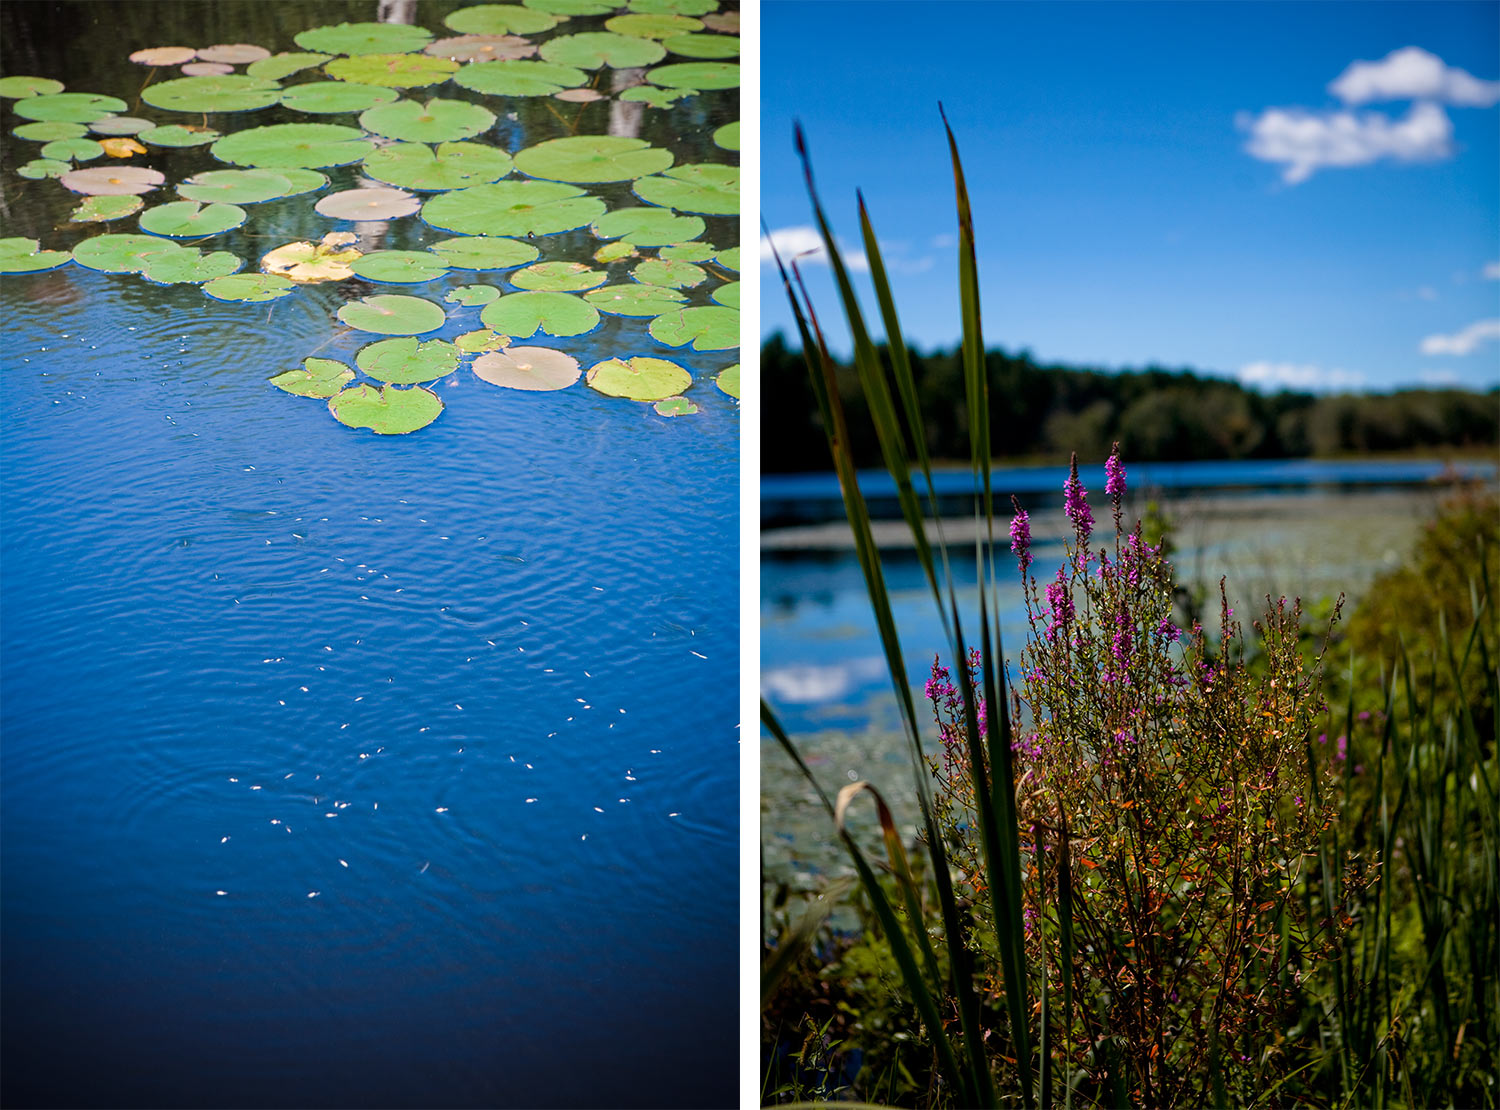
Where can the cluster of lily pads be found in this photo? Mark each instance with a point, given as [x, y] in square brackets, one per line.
[423, 158]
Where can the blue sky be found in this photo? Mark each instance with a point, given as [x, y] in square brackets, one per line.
[1215, 185]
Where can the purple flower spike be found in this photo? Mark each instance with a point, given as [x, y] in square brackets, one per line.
[1114, 471]
[1076, 503]
[1020, 537]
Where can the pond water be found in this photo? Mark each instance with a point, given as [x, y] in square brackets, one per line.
[346, 769]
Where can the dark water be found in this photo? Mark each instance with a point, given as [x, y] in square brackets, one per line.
[346, 770]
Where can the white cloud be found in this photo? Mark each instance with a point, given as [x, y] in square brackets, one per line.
[1412, 73]
[1307, 141]
[1491, 271]
[1427, 293]
[943, 242]
[1462, 342]
[1437, 378]
[804, 245]
[811, 683]
[1302, 376]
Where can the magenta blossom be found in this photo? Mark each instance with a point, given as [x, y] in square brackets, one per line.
[1020, 538]
[1076, 503]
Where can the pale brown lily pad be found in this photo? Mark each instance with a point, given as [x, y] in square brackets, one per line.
[311, 263]
[206, 69]
[368, 204]
[530, 368]
[235, 53]
[164, 56]
[481, 48]
[579, 96]
[112, 181]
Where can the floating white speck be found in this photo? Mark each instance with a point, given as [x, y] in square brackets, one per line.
[699, 656]
[674, 815]
[343, 863]
[276, 820]
[314, 893]
[598, 810]
[221, 893]
[425, 866]
[441, 809]
[233, 779]
[255, 788]
[223, 840]
[530, 800]
[457, 706]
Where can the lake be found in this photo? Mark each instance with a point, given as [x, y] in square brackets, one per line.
[344, 769]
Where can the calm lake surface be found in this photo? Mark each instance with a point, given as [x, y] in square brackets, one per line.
[342, 769]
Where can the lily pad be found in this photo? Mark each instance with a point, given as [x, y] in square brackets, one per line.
[77, 150]
[234, 53]
[500, 19]
[120, 125]
[593, 49]
[364, 38]
[157, 56]
[676, 406]
[614, 252]
[48, 131]
[316, 377]
[639, 379]
[13, 88]
[301, 181]
[368, 204]
[647, 227]
[187, 219]
[387, 314]
[700, 187]
[312, 263]
[187, 267]
[437, 121]
[66, 107]
[729, 380]
[175, 135]
[673, 7]
[513, 208]
[726, 22]
[39, 168]
[232, 92]
[452, 166]
[333, 97]
[396, 71]
[471, 295]
[104, 209]
[235, 187]
[703, 46]
[655, 97]
[588, 159]
[669, 273]
[25, 256]
[635, 300]
[405, 361]
[531, 368]
[251, 288]
[653, 25]
[113, 180]
[121, 254]
[728, 136]
[481, 48]
[121, 146]
[727, 295]
[687, 252]
[729, 259]
[484, 252]
[206, 69]
[295, 145]
[696, 75]
[707, 328]
[558, 277]
[519, 78]
[522, 314]
[400, 267]
[278, 66]
[579, 96]
[485, 339]
[572, 7]
[387, 411]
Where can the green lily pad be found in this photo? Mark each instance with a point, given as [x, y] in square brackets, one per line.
[653, 25]
[698, 76]
[13, 88]
[484, 252]
[316, 377]
[729, 259]
[518, 78]
[471, 295]
[405, 361]
[513, 208]
[313, 263]
[639, 379]
[104, 209]
[452, 166]
[229, 92]
[703, 46]
[120, 125]
[388, 411]
[278, 66]
[707, 328]
[485, 339]
[121, 254]
[388, 314]
[669, 273]
[558, 277]
[175, 135]
[367, 204]
[51, 130]
[112, 180]
[437, 121]
[396, 71]
[635, 300]
[481, 48]
[66, 107]
[614, 252]
[77, 150]
[572, 7]
[700, 187]
[294, 145]
[647, 227]
[673, 7]
[364, 38]
[655, 97]
[25, 256]
[676, 406]
[728, 136]
[187, 219]
[686, 252]
[301, 181]
[588, 159]
[538, 369]
[235, 187]
[727, 295]
[252, 288]
[39, 168]
[500, 19]
[399, 267]
[187, 267]
[522, 314]
[333, 97]
[593, 49]
[729, 380]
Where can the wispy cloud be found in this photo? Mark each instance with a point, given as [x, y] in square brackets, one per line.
[805, 245]
[1307, 141]
[1437, 378]
[1462, 342]
[1491, 271]
[1412, 73]
[1427, 293]
[1293, 375]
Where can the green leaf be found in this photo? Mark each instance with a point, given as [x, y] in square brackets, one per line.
[405, 361]
[399, 267]
[313, 263]
[470, 296]
[537, 369]
[227, 92]
[484, 252]
[698, 76]
[635, 300]
[233, 187]
[76, 150]
[14, 87]
[39, 168]
[703, 46]
[729, 259]
[500, 19]
[364, 38]
[397, 71]
[729, 380]
[278, 66]
[317, 377]
[728, 136]
[647, 227]
[655, 97]
[613, 252]
[103, 209]
[66, 107]
[513, 208]
[708, 328]
[652, 25]
[727, 294]
[49, 130]
[187, 267]
[674, 7]
[687, 252]
[522, 314]
[294, 145]
[25, 256]
[437, 121]
[253, 288]
[518, 78]
[391, 314]
[676, 406]
[593, 49]
[558, 277]
[121, 254]
[187, 219]
[572, 7]
[175, 135]
[639, 379]
[387, 411]
[672, 274]
[333, 97]
[452, 166]
[701, 187]
[587, 159]
[485, 339]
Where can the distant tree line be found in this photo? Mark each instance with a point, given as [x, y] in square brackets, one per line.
[1046, 411]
